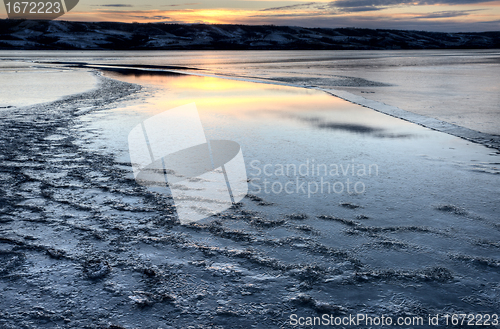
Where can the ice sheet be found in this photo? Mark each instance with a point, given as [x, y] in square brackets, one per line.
[25, 85]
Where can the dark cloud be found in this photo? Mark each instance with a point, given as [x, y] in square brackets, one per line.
[182, 4]
[379, 22]
[369, 5]
[326, 14]
[298, 6]
[346, 6]
[443, 14]
[156, 18]
[285, 15]
[357, 9]
[116, 5]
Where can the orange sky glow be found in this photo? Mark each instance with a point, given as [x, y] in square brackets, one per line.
[434, 15]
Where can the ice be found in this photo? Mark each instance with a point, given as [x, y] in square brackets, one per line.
[21, 87]
[82, 244]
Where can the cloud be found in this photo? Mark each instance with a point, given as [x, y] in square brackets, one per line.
[445, 14]
[383, 22]
[120, 5]
[445, 20]
[352, 6]
[358, 9]
[154, 18]
[370, 5]
[182, 4]
[298, 6]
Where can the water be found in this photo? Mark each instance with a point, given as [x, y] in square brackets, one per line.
[457, 86]
[417, 235]
[398, 196]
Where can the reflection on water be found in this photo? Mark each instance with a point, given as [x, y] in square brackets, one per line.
[288, 126]
[319, 172]
[273, 124]
[251, 102]
[355, 128]
[456, 86]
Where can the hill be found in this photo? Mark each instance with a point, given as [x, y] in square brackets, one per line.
[30, 34]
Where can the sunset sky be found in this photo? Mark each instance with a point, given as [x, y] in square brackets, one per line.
[432, 15]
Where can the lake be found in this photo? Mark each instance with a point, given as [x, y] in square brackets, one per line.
[348, 210]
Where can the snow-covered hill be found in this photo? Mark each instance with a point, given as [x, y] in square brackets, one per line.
[24, 34]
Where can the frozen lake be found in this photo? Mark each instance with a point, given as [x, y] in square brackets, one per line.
[457, 86]
[408, 224]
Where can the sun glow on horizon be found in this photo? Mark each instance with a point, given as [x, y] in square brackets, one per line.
[445, 15]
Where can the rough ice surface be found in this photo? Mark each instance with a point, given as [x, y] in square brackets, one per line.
[83, 245]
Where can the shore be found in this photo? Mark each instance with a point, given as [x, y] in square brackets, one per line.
[82, 245]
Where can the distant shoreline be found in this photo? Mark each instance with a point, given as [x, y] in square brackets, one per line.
[68, 35]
